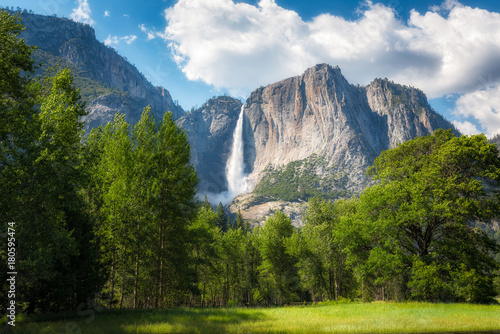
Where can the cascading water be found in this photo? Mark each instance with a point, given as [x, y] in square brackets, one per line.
[235, 167]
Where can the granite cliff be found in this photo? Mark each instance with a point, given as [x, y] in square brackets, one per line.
[316, 134]
[107, 81]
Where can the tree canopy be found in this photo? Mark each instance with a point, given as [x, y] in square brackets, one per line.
[422, 214]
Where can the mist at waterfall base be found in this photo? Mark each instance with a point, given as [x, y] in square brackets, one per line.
[237, 180]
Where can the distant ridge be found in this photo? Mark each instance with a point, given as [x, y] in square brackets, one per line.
[106, 80]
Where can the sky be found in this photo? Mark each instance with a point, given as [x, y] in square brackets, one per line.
[197, 49]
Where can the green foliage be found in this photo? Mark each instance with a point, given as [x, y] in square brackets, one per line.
[240, 223]
[41, 173]
[225, 262]
[427, 282]
[322, 264]
[431, 190]
[16, 99]
[278, 268]
[299, 180]
[221, 218]
[143, 190]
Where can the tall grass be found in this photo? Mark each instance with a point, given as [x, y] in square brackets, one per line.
[333, 318]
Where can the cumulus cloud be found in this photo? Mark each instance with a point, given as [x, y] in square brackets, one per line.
[240, 46]
[115, 40]
[237, 46]
[482, 105]
[82, 13]
[466, 127]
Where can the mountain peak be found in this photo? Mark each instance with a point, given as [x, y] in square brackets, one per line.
[218, 104]
[325, 68]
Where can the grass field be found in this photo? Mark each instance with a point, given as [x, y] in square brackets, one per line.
[333, 318]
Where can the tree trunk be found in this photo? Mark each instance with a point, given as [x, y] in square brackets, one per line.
[122, 292]
[137, 263]
[159, 266]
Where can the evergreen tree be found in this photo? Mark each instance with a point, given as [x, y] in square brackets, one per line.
[221, 218]
[322, 263]
[143, 136]
[41, 173]
[174, 190]
[239, 223]
[203, 236]
[206, 204]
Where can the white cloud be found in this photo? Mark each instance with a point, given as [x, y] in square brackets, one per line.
[240, 47]
[237, 46]
[482, 105]
[111, 40]
[151, 34]
[129, 39]
[82, 13]
[106, 13]
[115, 40]
[466, 127]
[446, 6]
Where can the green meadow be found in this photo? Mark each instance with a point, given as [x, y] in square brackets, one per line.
[377, 317]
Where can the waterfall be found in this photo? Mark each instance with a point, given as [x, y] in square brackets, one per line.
[235, 167]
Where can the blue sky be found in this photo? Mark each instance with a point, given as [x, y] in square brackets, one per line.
[201, 48]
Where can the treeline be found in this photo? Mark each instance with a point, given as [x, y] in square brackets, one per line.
[412, 236]
[112, 217]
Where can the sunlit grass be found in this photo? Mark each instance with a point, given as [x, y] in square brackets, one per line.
[335, 318]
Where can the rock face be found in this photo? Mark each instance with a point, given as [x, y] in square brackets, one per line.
[320, 112]
[346, 127]
[76, 44]
[210, 134]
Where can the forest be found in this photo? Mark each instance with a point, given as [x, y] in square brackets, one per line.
[112, 217]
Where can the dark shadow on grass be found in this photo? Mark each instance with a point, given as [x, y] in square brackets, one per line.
[200, 320]
[185, 320]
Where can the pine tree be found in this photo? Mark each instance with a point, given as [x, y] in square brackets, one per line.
[221, 218]
[174, 191]
[239, 223]
[206, 204]
[41, 173]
